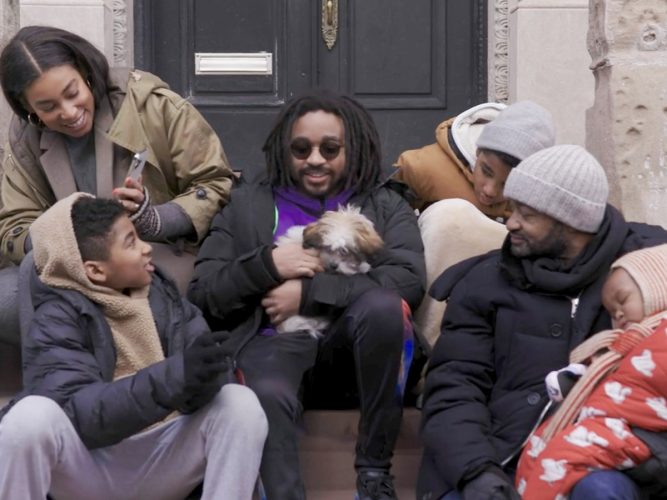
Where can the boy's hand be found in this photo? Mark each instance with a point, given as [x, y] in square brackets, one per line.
[294, 261]
[203, 361]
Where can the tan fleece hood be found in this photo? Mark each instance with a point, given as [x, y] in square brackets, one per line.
[59, 265]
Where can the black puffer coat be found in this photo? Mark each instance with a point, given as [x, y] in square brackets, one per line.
[508, 323]
[234, 269]
[69, 356]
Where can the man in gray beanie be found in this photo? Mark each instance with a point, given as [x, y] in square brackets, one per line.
[514, 315]
[564, 182]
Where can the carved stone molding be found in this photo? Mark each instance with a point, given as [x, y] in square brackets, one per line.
[499, 52]
[121, 47]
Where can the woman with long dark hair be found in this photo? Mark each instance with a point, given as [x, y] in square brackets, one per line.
[78, 126]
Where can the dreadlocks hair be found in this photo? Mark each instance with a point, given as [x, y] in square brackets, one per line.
[362, 142]
[93, 219]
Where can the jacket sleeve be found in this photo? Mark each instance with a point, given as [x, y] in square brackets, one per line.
[203, 178]
[398, 266]
[61, 365]
[227, 280]
[409, 171]
[194, 325]
[456, 420]
[651, 475]
[20, 204]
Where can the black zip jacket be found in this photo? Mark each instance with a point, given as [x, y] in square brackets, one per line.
[508, 323]
[234, 269]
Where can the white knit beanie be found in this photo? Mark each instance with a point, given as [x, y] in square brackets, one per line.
[648, 268]
[519, 130]
[564, 182]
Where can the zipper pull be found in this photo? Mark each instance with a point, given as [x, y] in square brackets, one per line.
[575, 305]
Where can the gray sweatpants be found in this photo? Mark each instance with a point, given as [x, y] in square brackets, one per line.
[221, 443]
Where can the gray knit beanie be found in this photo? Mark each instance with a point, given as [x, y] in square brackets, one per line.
[519, 130]
[564, 182]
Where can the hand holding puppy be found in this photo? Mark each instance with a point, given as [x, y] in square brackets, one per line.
[283, 301]
[294, 261]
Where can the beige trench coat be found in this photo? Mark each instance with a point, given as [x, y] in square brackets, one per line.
[186, 162]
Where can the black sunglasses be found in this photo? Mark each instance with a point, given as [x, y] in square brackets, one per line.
[301, 149]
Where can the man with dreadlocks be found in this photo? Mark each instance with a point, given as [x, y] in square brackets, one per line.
[323, 152]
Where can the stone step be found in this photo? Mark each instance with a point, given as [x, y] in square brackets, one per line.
[403, 494]
[327, 453]
[10, 371]
[326, 446]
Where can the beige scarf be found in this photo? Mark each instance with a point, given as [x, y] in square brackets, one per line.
[59, 264]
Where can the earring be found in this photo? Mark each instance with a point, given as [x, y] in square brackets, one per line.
[89, 83]
[33, 119]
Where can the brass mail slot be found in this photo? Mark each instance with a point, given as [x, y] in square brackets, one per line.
[230, 63]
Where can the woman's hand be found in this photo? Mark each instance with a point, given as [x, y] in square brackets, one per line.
[131, 195]
[137, 202]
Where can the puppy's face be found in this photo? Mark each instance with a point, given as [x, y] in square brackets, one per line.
[346, 240]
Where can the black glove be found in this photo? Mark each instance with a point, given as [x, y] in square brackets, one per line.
[204, 362]
[491, 484]
[203, 396]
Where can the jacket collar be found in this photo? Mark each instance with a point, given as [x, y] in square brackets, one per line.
[104, 150]
[53, 160]
[128, 95]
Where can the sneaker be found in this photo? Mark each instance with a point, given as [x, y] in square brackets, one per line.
[375, 484]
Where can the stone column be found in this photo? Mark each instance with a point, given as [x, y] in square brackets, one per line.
[627, 125]
[92, 19]
[548, 62]
[9, 24]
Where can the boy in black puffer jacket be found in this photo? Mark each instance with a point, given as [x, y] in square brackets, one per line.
[112, 356]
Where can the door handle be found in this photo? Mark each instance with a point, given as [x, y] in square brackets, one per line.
[329, 22]
[329, 12]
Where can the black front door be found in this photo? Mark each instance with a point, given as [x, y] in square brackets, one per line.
[413, 63]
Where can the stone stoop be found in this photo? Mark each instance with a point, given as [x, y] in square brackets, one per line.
[403, 494]
[10, 372]
[326, 449]
[327, 454]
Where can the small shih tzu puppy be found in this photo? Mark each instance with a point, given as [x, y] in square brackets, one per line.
[346, 240]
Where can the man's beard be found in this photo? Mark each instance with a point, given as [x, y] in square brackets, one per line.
[335, 185]
[554, 244]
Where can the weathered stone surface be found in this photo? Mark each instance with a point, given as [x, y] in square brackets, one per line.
[622, 29]
[548, 62]
[9, 24]
[627, 125]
